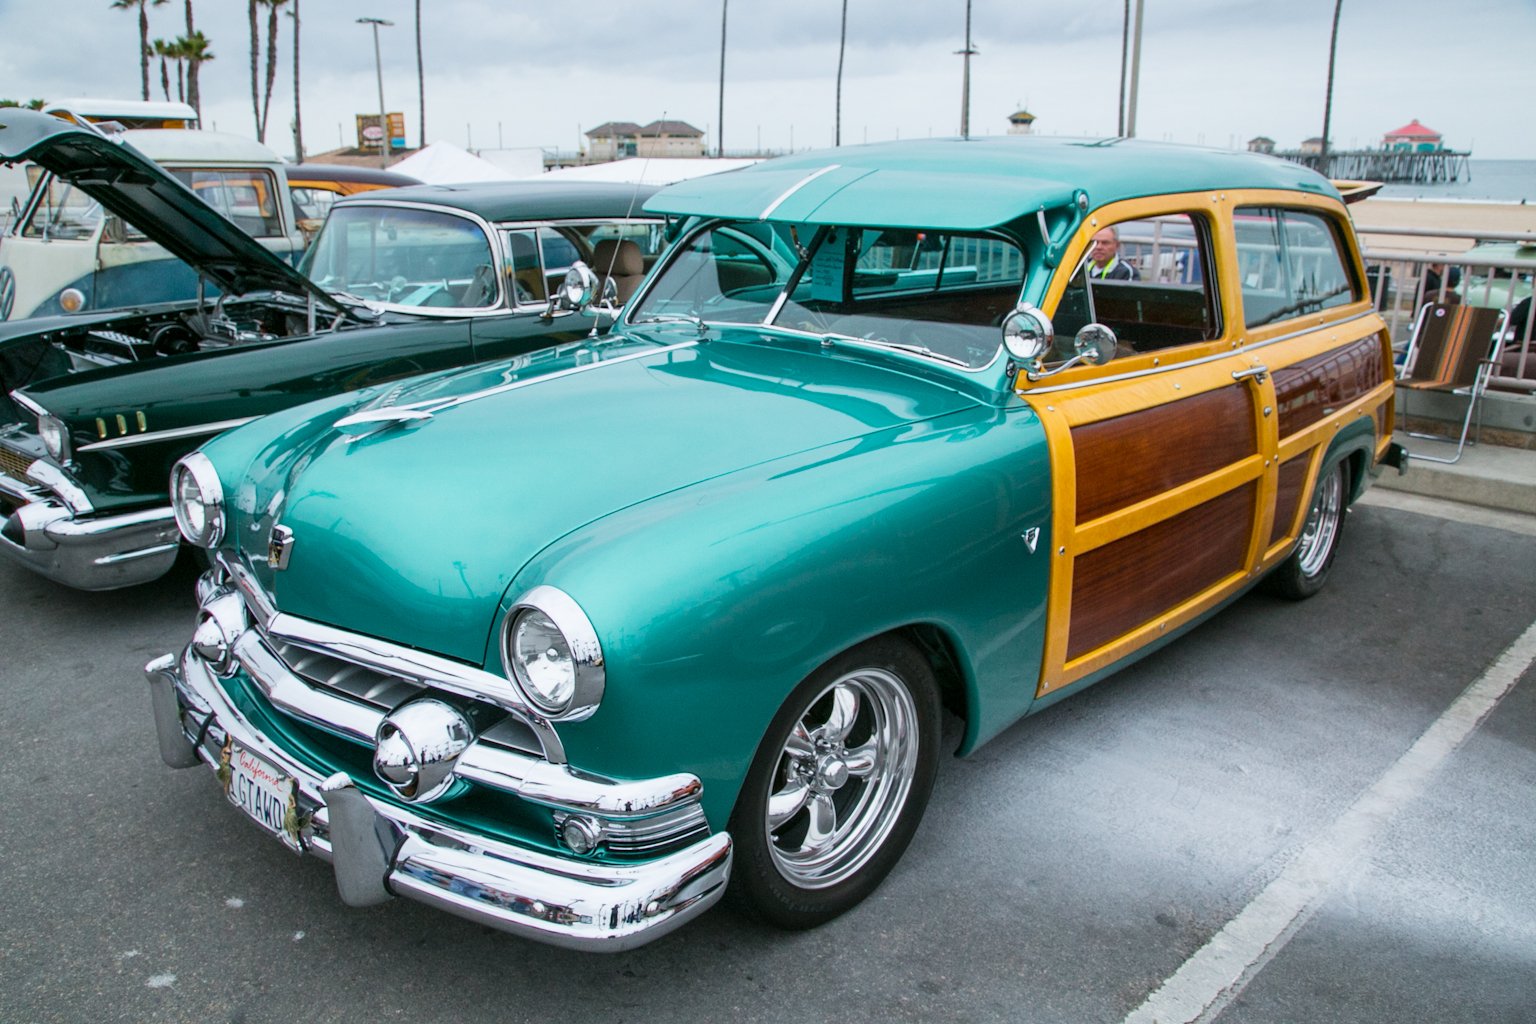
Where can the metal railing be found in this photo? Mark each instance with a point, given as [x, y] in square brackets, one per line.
[1401, 282]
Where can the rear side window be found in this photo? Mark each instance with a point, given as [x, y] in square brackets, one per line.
[1292, 264]
[247, 196]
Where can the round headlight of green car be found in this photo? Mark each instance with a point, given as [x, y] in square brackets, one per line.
[551, 652]
[197, 498]
[55, 437]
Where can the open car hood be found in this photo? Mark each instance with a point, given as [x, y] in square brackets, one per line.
[129, 184]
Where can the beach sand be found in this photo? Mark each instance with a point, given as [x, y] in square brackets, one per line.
[1452, 215]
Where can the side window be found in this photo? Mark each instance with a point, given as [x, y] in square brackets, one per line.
[247, 196]
[1291, 265]
[559, 252]
[312, 203]
[64, 212]
[528, 281]
[1150, 281]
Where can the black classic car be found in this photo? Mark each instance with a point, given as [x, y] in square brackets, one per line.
[95, 408]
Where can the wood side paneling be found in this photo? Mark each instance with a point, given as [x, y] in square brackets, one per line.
[1293, 475]
[1130, 458]
[1125, 583]
[1327, 381]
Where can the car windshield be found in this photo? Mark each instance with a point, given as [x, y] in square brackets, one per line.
[401, 256]
[935, 293]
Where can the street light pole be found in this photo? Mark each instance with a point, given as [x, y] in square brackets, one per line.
[378, 67]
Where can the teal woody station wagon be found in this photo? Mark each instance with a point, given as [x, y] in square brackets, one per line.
[572, 645]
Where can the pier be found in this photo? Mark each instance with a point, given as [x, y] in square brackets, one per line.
[1434, 167]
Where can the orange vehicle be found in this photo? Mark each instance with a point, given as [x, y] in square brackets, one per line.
[316, 186]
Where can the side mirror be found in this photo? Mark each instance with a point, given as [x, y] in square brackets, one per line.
[575, 293]
[113, 230]
[1094, 345]
[579, 288]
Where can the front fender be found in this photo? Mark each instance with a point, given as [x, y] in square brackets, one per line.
[713, 602]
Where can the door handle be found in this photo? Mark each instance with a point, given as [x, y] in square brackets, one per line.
[1253, 373]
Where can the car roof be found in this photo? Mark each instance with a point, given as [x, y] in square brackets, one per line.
[532, 199]
[972, 184]
[347, 173]
[191, 145]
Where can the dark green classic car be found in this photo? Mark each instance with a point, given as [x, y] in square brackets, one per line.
[680, 608]
[96, 407]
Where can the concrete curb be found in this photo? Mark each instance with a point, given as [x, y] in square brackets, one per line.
[1487, 475]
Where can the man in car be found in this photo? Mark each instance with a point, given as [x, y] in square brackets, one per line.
[1104, 262]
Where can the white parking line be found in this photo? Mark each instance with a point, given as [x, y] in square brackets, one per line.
[1219, 971]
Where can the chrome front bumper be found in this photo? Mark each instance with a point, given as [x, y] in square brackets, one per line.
[87, 552]
[379, 849]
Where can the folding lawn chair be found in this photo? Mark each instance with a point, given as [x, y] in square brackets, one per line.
[1455, 348]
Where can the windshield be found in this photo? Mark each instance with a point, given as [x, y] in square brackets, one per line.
[938, 294]
[404, 257]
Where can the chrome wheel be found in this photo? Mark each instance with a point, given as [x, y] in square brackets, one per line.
[1315, 548]
[842, 778]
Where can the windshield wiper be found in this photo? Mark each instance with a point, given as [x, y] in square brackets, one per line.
[676, 318]
[903, 346]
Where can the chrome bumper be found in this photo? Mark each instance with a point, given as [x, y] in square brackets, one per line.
[86, 552]
[379, 850]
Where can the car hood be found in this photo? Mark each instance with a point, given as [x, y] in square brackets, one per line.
[413, 530]
[134, 187]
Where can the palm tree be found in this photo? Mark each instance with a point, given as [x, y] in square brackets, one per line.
[144, 48]
[720, 125]
[194, 50]
[165, 50]
[195, 47]
[298, 121]
[1333, 47]
[261, 100]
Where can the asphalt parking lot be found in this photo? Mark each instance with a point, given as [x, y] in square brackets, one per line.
[1315, 812]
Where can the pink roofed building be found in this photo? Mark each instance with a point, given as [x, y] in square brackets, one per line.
[1415, 138]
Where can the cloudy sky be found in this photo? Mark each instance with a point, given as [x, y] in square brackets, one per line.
[510, 73]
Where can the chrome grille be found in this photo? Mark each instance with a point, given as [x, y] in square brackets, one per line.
[14, 464]
[344, 678]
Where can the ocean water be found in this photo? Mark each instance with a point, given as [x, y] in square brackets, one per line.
[1511, 181]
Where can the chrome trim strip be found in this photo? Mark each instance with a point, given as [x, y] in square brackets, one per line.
[27, 404]
[167, 435]
[418, 667]
[59, 483]
[796, 187]
[579, 904]
[431, 406]
[1196, 362]
[557, 786]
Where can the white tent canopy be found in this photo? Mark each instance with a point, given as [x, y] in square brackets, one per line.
[647, 170]
[443, 163]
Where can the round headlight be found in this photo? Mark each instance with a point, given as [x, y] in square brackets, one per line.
[552, 654]
[197, 499]
[542, 660]
[55, 437]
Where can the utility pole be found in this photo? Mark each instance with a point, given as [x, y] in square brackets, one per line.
[378, 67]
[720, 119]
[1130, 111]
[965, 81]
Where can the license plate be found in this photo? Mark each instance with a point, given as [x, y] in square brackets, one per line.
[265, 794]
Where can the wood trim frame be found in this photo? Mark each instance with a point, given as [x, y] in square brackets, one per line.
[1077, 405]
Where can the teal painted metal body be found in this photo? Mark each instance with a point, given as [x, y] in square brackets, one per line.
[730, 505]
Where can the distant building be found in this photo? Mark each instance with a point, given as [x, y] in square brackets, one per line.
[1021, 122]
[1413, 137]
[618, 139]
[1261, 144]
[1312, 145]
